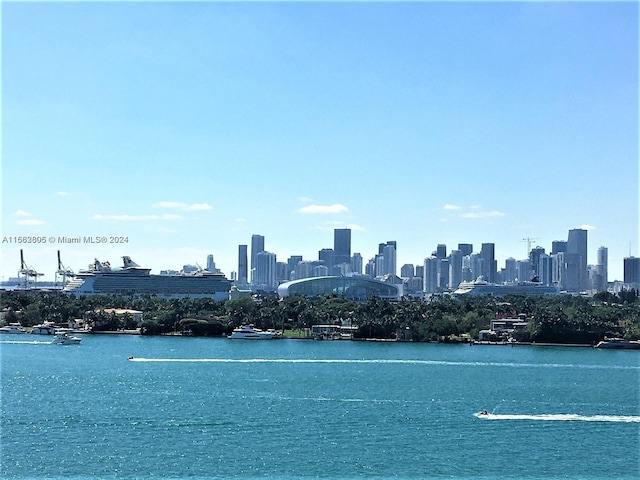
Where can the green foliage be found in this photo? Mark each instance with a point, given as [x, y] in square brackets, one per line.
[554, 319]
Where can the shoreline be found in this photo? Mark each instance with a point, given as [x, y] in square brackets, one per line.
[376, 340]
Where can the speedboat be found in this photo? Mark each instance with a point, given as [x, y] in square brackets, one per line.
[65, 339]
[482, 414]
[620, 343]
[12, 329]
[46, 328]
[249, 332]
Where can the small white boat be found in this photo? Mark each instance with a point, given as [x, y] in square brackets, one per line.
[46, 328]
[249, 332]
[65, 339]
[12, 329]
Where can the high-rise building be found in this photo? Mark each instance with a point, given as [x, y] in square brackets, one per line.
[292, 263]
[632, 271]
[356, 263]
[342, 245]
[510, 273]
[489, 264]
[243, 270]
[265, 274]
[601, 270]
[389, 259]
[455, 268]
[465, 248]
[407, 270]
[257, 246]
[545, 269]
[534, 263]
[430, 283]
[211, 265]
[281, 272]
[327, 256]
[558, 246]
[443, 273]
[523, 269]
[441, 251]
[577, 245]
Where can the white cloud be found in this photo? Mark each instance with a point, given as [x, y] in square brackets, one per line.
[587, 227]
[330, 226]
[63, 194]
[487, 214]
[166, 230]
[199, 206]
[471, 211]
[30, 221]
[322, 209]
[183, 206]
[22, 213]
[357, 228]
[136, 218]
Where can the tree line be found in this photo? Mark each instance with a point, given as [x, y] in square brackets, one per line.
[554, 319]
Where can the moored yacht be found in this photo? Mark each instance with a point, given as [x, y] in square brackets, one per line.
[249, 332]
[45, 328]
[620, 343]
[12, 329]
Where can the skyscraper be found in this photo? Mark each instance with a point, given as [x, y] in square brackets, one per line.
[265, 271]
[489, 264]
[257, 246]
[455, 268]
[389, 256]
[465, 248]
[430, 279]
[356, 263]
[243, 270]
[602, 269]
[577, 245]
[342, 245]
[327, 255]
[632, 271]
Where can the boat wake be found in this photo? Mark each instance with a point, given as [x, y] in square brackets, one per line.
[384, 361]
[24, 342]
[561, 417]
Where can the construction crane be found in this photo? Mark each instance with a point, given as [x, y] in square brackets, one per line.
[63, 271]
[29, 273]
[529, 241]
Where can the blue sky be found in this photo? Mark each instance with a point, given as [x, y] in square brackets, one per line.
[188, 127]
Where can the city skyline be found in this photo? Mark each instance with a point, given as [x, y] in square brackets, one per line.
[384, 262]
[186, 128]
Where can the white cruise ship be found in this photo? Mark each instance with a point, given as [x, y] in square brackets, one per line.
[132, 279]
[481, 287]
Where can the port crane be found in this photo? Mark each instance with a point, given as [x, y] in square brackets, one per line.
[63, 271]
[29, 273]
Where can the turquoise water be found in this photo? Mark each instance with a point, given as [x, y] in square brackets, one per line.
[296, 409]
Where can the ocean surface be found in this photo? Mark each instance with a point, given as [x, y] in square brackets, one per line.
[205, 408]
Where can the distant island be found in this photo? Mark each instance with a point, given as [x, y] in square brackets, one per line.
[560, 319]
